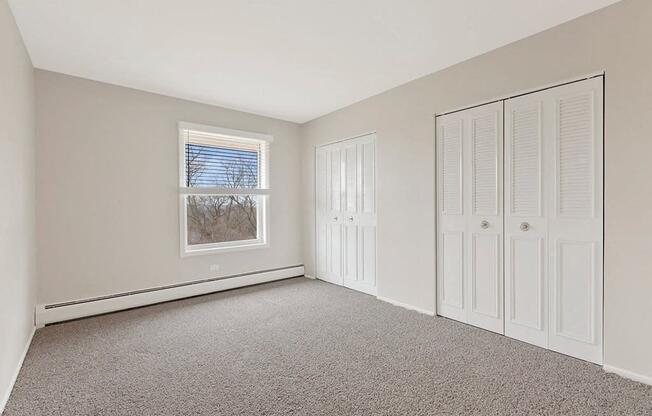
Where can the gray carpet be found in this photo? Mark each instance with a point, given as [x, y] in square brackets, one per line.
[302, 347]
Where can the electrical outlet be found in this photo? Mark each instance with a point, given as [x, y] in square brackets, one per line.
[214, 267]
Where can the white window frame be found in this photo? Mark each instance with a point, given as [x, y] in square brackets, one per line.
[262, 193]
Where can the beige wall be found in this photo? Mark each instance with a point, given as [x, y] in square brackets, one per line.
[617, 40]
[107, 190]
[17, 247]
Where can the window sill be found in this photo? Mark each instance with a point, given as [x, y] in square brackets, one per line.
[187, 252]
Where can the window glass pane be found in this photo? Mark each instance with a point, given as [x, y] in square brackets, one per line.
[221, 166]
[221, 218]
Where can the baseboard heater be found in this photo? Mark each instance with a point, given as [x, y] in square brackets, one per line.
[65, 311]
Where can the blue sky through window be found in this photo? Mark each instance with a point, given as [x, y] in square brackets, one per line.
[226, 167]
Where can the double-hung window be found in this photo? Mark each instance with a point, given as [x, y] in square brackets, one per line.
[224, 189]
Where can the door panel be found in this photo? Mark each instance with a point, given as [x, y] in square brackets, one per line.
[486, 139]
[526, 283]
[451, 225]
[350, 252]
[470, 220]
[525, 290]
[334, 252]
[452, 272]
[321, 248]
[485, 289]
[484, 175]
[576, 223]
[351, 179]
[335, 181]
[525, 220]
[350, 183]
[360, 216]
[575, 290]
[576, 156]
[525, 159]
[329, 214]
[368, 177]
[451, 146]
[485, 275]
[321, 161]
[368, 260]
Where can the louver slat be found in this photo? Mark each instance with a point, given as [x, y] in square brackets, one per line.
[576, 156]
[484, 165]
[526, 160]
[451, 169]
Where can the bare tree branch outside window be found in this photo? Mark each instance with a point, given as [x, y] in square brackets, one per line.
[221, 218]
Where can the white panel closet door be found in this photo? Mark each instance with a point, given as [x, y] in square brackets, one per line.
[360, 214]
[554, 219]
[470, 226]
[346, 213]
[329, 233]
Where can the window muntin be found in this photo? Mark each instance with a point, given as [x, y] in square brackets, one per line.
[223, 189]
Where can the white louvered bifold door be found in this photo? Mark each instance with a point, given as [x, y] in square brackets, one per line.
[451, 227]
[346, 213]
[554, 219]
[470, 220]
[484, 141]
[576, 221]
[525, 220]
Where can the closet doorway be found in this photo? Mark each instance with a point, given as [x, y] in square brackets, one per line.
[346, 213]
[521, 253]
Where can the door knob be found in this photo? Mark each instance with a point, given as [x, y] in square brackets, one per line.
[351, 218]
[484, 224]
[334, 218]
[525, 226]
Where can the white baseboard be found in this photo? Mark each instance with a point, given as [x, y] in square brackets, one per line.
[73, 310]
[310, 277]
[406, 306]
[6, 394]
[628, 374]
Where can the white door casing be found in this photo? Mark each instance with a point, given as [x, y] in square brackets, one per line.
[470, 220]
[351, 250]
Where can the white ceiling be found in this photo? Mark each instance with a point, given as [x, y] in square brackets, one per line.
[290, 59]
